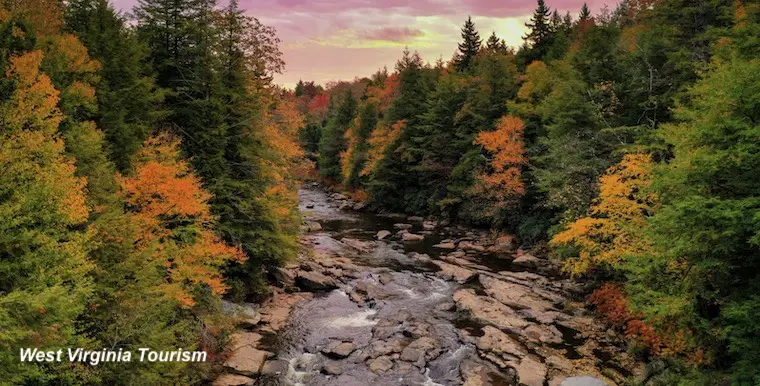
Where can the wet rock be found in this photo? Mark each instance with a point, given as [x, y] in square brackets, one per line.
[501, 344]
[332, 369]
[503, 244]
[454, 272]
[528, 261]
[382, 234]
[338, 197]
[421, 257]
[338, 350]
[583, 381]
[446, 307]
[381, 347]
[415, 219]
[514, 295]
[346, 206]
[313, 226]
[402, 226]
[275, 367]
[489, 311]
[381, 364]
[361, 246]
[412, 237]
[284, 277]
[468, 246]
[315, 281]
[446, 246]
[411, 354]
[385, 278]
[356, 297]
[531, 371]
[232, 380]
[475, 374]
[359, 206]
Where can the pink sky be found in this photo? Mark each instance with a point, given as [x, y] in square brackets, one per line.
[324, 40]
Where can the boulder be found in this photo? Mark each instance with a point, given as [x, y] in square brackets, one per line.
[381, 364]
[247, 360]
[531, 371]
[284, 277]
[499, 343]
[332, 369]
[338, 197]
[527, 260]
[454, 272]
[446, 246]
[313, 226]
[315, 281]
[583, 381]
[359, 206]
[276, 367]
[415, 219]
[382, 234]
[408, 237]
[338, 349]
[232, 380]
[422, 257]
[489, 311]
[411, 354]
[402, 226]
[468, 246]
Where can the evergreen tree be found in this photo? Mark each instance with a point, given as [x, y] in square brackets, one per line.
[539, 38]
[585, 14]
[469, 47]
[128, 100]
[332, 143]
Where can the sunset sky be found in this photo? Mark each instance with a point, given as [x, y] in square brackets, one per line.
[324, 40]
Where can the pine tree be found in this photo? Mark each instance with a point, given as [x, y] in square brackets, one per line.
[585, 14]
[332, 142]
[469, 47]
[539, 36]
[128, 100]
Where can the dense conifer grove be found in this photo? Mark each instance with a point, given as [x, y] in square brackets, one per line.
[149, 166]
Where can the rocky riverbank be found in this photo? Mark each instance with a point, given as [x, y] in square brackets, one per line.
[396, 300]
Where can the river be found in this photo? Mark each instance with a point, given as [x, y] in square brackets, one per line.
[458, 307]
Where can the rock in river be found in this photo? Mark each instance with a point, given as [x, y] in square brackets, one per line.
[338, 349]
[232, 380]
[382, 234]
[446, 246]
[412, 237]
[315, 281]
[381, 364]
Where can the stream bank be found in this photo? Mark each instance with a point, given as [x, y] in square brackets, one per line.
[396, 300]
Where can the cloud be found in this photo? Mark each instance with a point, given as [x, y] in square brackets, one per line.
[392, 34]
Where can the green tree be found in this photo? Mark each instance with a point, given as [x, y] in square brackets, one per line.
[469, 47]
[332, 142]
[128, 100]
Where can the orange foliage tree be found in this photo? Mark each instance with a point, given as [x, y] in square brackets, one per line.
[611, 231]
[382, 137]
[502, 184]
[168, 203]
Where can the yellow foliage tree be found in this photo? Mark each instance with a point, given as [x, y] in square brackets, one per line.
[610, 232]
[382, 137]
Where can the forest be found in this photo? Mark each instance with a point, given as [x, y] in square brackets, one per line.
[150, 165]
[625, 144]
